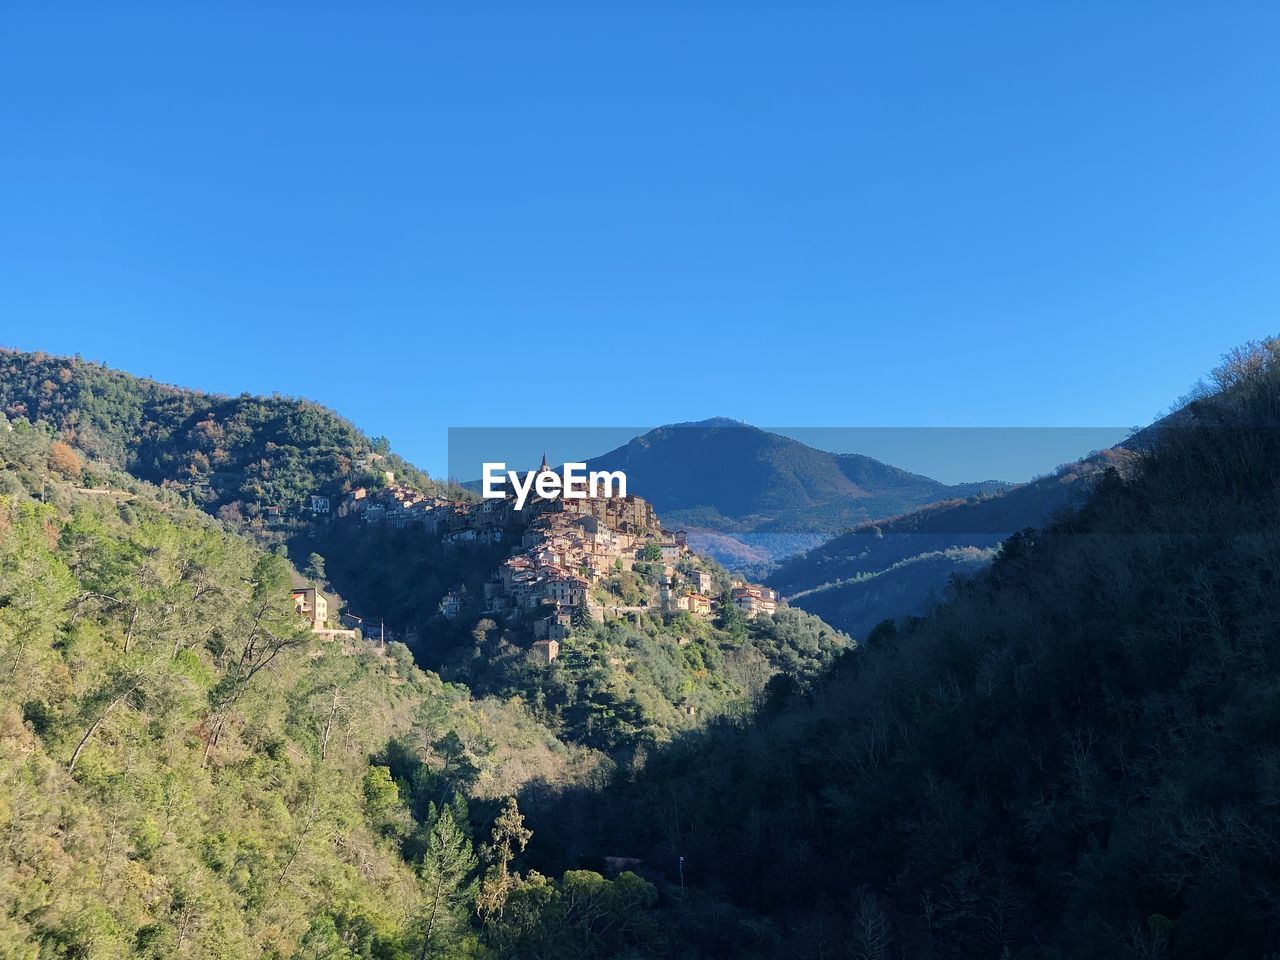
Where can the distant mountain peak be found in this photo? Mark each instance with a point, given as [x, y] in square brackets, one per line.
[726, 475]
[712, 423]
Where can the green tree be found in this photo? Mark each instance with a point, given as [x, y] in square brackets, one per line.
[380, 791]
[315, 567]
[585, 915]
[447, 871]
[271, 626]
[35, 588]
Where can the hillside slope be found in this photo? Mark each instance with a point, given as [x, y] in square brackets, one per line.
[236, 456]
[187, 772]
[846, 580]
[642, 675]
[1077, 756]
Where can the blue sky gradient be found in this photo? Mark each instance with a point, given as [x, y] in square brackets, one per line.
[986, 214]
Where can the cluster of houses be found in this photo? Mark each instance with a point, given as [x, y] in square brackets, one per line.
[565, 546]
[568, 546]
[487, 521]
[689, 592]
[395, 504]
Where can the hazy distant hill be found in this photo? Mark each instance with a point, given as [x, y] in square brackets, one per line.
[894, 567]
[732, 478]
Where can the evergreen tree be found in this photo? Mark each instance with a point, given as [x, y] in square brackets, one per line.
[447, 871]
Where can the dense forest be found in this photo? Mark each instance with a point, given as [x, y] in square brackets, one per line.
[186, 772]
[625, 687]
[1078, 755]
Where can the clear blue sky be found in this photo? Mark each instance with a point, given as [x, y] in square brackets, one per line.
[431, 215]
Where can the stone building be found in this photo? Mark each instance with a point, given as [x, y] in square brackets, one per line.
[545, 650]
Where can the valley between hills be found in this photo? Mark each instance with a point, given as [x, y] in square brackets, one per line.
[270, 690]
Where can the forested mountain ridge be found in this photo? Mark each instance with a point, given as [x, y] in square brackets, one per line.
[1076, 756]
[236, 456]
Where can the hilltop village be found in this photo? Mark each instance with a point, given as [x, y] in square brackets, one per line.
[567, 559]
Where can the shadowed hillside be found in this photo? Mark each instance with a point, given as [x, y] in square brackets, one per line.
[1077, 756]
[895, 567]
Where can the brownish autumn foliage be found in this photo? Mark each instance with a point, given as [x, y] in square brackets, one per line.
[64, 459]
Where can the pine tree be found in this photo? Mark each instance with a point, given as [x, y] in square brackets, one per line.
[448, 868]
